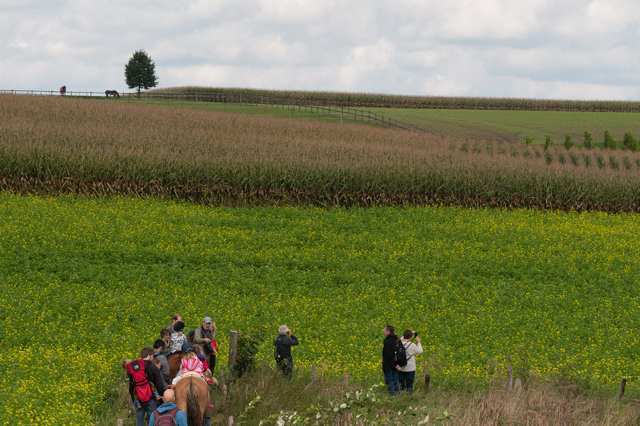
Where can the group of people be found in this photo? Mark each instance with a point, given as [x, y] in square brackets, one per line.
[398, 360]
[149, 377]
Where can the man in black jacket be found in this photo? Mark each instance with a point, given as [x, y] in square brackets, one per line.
[153, 376]
[282, 351]
[389, 366]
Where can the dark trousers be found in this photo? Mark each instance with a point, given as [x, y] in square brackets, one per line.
[391, 379]
[145, 408]
[212, 363]
[287, 368]
[406, 379]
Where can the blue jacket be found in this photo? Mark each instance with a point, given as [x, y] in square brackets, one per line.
[181, 418]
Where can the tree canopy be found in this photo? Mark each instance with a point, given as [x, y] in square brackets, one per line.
[140, 72]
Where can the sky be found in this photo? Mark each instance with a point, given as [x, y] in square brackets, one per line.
[561, 49]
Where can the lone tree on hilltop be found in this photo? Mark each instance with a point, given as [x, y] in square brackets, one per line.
[140, 72]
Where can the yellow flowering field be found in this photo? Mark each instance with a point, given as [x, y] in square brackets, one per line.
[88, 282]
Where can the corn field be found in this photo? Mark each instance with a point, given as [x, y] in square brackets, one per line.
[378, 100]
[51, 146]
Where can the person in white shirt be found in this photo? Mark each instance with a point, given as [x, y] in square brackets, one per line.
[407, 373]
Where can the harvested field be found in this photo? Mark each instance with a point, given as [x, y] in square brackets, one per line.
[54, 146]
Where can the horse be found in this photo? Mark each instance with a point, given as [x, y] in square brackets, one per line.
[192, 397]
[174, 364]
[113, 93]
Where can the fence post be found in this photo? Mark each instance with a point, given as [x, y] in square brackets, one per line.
[233, 351]
[427, 381]
[346, 379]
[313, 371]
[510, 380]
[622, 386]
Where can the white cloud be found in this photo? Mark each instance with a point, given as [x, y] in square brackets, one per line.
[541, 48]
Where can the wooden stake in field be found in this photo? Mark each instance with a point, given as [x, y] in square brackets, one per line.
[233, 351]
[622, 386]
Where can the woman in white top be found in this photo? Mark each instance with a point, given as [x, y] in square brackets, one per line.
[407, 373]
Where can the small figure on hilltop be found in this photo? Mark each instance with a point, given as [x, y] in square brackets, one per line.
[168, 413]
[407, 373]
[389, 365]
[282, 351]
[204, 337]
[63, 91]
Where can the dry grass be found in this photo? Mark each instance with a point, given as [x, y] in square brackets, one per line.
[539, 403]
[54, 145]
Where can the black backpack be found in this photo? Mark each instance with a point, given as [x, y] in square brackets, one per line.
[401, 353]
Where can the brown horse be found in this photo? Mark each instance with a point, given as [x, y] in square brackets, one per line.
[113, 93]
[174, 364]
[192, 397]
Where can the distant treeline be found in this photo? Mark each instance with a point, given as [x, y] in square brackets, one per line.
[378, 100]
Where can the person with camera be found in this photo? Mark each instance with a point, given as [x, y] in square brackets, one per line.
[407, 374]
[205, 337]
[282, 351]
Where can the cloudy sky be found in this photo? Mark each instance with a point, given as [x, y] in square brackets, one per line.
[568, 49]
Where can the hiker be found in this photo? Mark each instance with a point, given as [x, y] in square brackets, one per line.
[63, 91]
[158, 347]
[168, 414]
[177, 338]
[389, 365]
[144, 380]
[407, 374]
[165, 335]
[282, 351]
[174, 320]
[205, 337]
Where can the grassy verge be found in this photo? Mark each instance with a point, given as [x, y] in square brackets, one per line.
[265, 398]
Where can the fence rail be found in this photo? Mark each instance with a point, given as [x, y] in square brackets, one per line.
[317, 107]
[346, 113]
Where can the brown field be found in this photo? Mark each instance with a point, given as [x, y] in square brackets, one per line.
[54, 146]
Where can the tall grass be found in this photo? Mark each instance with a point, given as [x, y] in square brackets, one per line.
[53, 146]
[379, 100]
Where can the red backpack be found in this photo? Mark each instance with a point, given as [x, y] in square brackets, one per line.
[168, 418]
[136, 371]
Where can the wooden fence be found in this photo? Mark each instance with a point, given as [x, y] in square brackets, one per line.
[345, 113]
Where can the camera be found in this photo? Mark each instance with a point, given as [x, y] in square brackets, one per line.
[415, 334]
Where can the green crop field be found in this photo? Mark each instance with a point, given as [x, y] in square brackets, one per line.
[88, 282]
[514, 126]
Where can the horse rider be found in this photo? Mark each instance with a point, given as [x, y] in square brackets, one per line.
[204, 337]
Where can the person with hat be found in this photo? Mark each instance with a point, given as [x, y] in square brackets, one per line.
[205, 337]
[189, 364]
[178, 338]
[158, 347]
